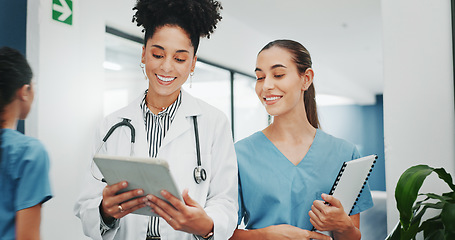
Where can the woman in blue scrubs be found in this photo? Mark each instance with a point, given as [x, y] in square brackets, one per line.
[24, 163]
[287, 169]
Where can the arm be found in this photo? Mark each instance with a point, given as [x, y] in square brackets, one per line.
[273, 232]
[332, 217]
[28, 223]
[353, 232]
[90, 204]
[33, 189]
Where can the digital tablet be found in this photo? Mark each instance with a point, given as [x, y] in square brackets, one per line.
[150, 174]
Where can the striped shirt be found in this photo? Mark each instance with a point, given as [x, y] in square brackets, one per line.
[156, 127]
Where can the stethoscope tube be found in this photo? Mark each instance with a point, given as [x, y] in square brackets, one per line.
[199, 172]
[124, 122]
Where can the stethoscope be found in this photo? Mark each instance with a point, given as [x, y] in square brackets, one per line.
[199, 172]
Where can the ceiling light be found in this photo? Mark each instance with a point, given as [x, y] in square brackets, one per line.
[112, 66]
[333, 100]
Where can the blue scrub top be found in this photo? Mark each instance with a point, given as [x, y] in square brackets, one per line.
[272, 190]
[24, 178]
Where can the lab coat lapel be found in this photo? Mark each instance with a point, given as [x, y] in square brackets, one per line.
[189, 107]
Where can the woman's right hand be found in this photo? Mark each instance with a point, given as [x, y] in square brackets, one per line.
[285, 231]
[117, 206]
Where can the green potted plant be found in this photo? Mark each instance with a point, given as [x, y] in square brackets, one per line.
[411, 211]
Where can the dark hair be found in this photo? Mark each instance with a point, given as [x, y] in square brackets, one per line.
[302, 59]
[197, 17]
[15, 72]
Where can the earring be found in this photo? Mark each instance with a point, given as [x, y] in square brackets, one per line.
[191, 79]
[143, 70]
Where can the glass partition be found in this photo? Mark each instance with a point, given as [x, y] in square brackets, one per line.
[212, 85]
[124, 79]
[249, 114]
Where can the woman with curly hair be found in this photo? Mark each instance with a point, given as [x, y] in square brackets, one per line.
[24, 162]
[163, 116]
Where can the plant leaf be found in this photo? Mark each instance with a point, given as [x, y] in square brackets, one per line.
[448, 217]
[438, 205]
[418, 216]
[451, 195]
[436, 196]
[449, 236]
[411, 232]
[435, 218]
[406, 191]
[436, 235]
[426, 199]
[418, 204]
[395, 234]
[411, 212]
[445, 176]
[430, 226]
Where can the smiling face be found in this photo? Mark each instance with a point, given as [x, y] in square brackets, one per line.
[169, 58]
[279, 84]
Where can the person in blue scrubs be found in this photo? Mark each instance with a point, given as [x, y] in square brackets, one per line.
[24, 163]
[287, 170]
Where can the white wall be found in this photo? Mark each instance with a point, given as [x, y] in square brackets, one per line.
[418, 91]
[67, 64]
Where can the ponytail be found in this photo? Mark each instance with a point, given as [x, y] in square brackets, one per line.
[310, 106]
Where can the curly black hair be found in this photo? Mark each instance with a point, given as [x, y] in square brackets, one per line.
[197, 17]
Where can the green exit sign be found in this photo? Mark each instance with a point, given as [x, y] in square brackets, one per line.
[62, 11]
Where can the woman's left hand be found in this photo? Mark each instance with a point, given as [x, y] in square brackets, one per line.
[331, 216]
[187, 216]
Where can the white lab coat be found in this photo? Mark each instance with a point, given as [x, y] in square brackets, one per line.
[217, 195]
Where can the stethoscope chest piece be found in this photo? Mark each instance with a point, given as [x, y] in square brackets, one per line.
[199, 174]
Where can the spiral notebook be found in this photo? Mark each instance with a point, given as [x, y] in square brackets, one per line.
[351, 180]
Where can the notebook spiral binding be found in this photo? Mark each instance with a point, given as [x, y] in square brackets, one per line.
[363, 186]
[338, 178]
